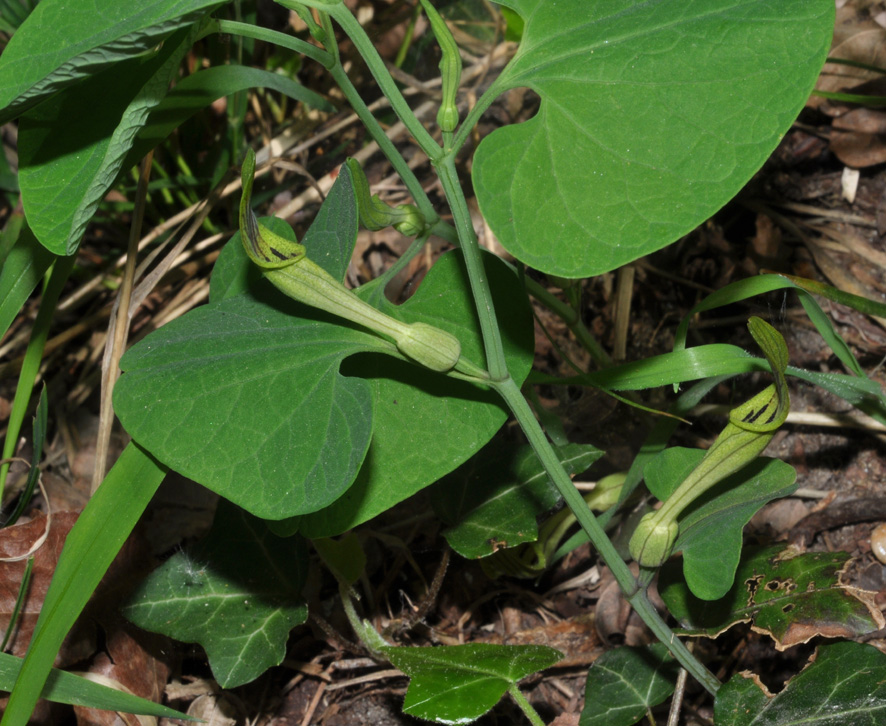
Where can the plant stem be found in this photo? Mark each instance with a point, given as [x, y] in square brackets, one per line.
[495, 357]
[343, 16]
[247, 30]
[525, 706]
[635, 595]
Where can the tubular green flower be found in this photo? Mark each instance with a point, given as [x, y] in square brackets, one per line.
[286, 265]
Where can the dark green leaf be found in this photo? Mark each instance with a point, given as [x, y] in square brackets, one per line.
[718, 516]
[845, 685]
[72, 146]
[458, 684]
[492, 501]
[425, 425]
[245, 395]
[792, 597]
[237, 593]
[20, 273]
[345, 556]
[63, 42]
[631, 148]
[623, 684]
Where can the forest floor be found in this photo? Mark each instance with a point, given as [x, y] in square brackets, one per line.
[805, 213]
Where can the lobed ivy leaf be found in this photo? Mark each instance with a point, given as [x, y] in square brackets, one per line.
[844, 685]
[237, 593]
[625, 683]
[719, 515]
[653, 115]
[457, 684]
[61, 43]
[792, 597]
[492, 501]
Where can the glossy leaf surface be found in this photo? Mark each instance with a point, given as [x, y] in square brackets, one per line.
[653, 115]
[791, 597]
[844, 686]
[624, 683]
[492, 501]
[458, 684]
[237, 593]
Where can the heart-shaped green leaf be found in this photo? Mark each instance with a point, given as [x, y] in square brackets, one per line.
[719, 515]
[653, 115]
[61, 43]
[237, 593]
[458, 684]
[425, 426]
[844, 685]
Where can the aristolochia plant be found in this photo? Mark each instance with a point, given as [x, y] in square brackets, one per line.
[652, 116]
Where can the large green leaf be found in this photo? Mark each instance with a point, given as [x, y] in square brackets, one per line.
[719, 515]
[792, 597]
[623, 684]
[245, 395]
[62, 42]
[237, 593]
[845, 685]
[458, 684]
[653, 115]
[492, 501]
[72, 146]
[427, 425]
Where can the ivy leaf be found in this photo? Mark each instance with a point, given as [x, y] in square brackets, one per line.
[458, 684]
[844, 685]
[719, 515]
[493, 500]
[653, 115]
[237, 593]
[624, 683]
[792, 597]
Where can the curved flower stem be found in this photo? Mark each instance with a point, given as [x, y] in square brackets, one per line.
[636, 596]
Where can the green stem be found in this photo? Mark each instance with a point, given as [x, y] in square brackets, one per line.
[571, 317]
[509, 391]
[58, 276]
[473, 117]
[343, 16]
[525, 706]
[246, 30]
[385, 144]
[495, 357]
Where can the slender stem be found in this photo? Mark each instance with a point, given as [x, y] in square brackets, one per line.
[495, 357]
[272, 36]
[635, 595]
[343, 16]
[525, 706]
[484, 102]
